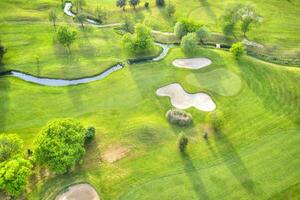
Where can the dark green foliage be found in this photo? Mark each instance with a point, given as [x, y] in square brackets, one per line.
[66, 36]
[186, 26]
[139, 42]
[10, 146]
[2, 52]
[189, 43]
[146, 5]
[134, 3]
[90, 134]
[60, 145]
[217, 121]
[182, 142]
[160, 2]
[203, 33]
[179, 117]
[237, 50]
[14, 176]
[121, 4]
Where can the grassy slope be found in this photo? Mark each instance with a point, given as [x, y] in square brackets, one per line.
[253, 156]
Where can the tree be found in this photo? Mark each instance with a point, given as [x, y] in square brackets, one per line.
[10, 146]
[185, 26]
[14, 175]
[237, 50]
[79, 4]
[128, 24]
[230, 18]
[248, 16]
[2, 52]
[134, 3]
[80, 18]
[160, 2]
[182, 142]
[170, 9]
[189, 43]
[90, 134]
[140, 41]
[53, 17]
[60, 145]
[179, 30]
[203, 33]
[66, 36]
[121, 4]
[101, 15]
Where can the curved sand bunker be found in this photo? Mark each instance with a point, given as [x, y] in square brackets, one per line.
[191, 63]
[183, 100]
[81, 191]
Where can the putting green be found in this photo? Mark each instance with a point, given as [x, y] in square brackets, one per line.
[221, 81]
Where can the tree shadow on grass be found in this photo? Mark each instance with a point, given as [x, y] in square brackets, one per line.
[235, 164]
[193, 175]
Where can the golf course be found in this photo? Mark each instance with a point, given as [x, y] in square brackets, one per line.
[150, 99]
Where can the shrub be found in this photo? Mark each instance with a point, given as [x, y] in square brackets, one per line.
[179, 117]
[203, 33]
[182, 142]
[160, 2]
[146, 5]
[185, 26]
[10, 146]
[90, 134]
[189, 43]
[237, 50]
[66, 36]
[60, 145]
[170, 9]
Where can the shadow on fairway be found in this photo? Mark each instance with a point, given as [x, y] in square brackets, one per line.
[193, 175]
[234, 163]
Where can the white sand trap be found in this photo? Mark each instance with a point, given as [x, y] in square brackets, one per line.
[183, 100]
[192, 63]
[81, 191]
[67, 9]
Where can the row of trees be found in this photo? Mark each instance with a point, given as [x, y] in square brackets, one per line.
[59, 146]
[133, 3]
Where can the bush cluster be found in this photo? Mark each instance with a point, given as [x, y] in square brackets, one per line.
[179, 117]
[186, 26]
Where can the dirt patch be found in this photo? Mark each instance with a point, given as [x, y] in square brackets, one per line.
[81, 191]
[115, 152]
[192, 63]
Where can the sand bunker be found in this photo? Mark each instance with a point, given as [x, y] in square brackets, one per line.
[192, 63]
[81, 191]
[183, 100]
[67, 9]
[115, 152]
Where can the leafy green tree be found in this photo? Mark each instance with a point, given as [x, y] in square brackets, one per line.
[189, 43]
[228, 29]
[182, 142]
[230, 18]
[66, 36]
[203, 33]
[80, 18]
[248, 16]
[134, 3]
[179, 30]
[2, 52]
[10, 146]
[237, 50]
[14, 175]
[139, 42]
[79, 4]
[60, 145]
[90, 134]
[52, 17]
[160, 3]
[101, 15]
[128, 24]
[185, 26]
[171, 9]
[121, 4]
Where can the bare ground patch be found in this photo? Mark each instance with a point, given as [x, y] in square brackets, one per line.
[115, 152]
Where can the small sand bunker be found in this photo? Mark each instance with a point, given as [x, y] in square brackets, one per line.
[81, 191]
[115, 152]
[192, 63]
[183, 100]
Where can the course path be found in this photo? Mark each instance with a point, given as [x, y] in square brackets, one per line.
[81, 191]
[191, 63]
[183, 100]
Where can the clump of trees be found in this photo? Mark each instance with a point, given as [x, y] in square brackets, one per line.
[134, 3]
[121, 4]
[189, 43]
[139, 42]
[186, 26]
[243, 14]
[60, 145]
[2, 51]
[237, 50]
[179, 117]
[14, 169]
[182, 142]
[66, 36]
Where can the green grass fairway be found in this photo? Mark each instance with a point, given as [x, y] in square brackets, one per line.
[255, 156]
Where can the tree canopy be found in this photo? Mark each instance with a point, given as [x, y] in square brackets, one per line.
[10, 146]
[121, 4]
[185, 26]
[60, 145]
[237, 50]
[189, 43]
[66, 36]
